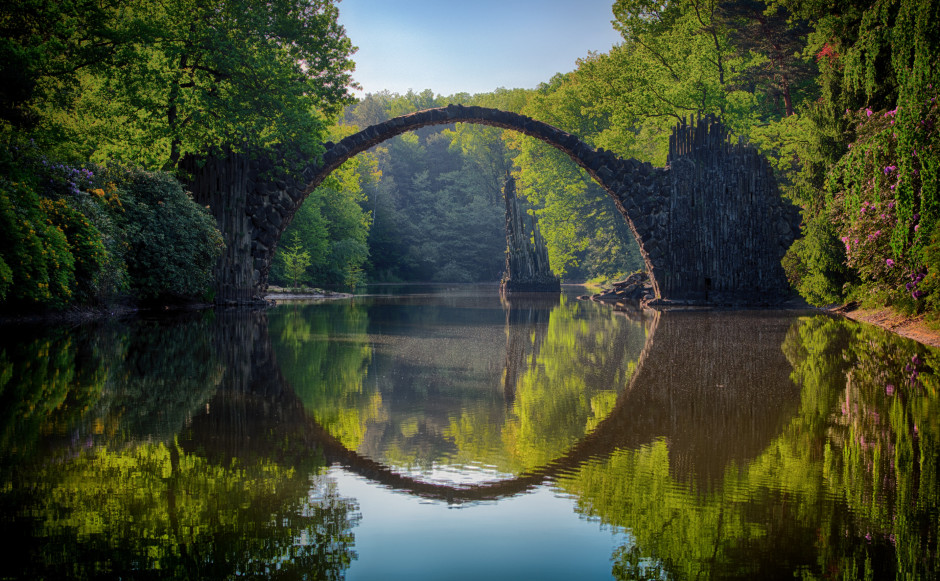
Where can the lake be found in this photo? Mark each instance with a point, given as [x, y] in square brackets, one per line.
[443, 432]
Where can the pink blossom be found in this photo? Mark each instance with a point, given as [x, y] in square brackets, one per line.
[889, 263]
[868, 112]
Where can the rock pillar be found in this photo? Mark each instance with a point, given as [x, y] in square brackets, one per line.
[527, 268]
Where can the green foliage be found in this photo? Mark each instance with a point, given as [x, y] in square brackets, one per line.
[85, 245]
[149, 81]
[172, 243]
[815, 264]
[295, 260]
[332, 228]
[39, 267]
[434, 196]
[864, 154]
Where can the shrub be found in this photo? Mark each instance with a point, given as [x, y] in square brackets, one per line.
[172, 242]
[38, 268]
[84, 244]
[814, 264]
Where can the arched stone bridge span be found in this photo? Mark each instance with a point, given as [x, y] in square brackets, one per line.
[711, 225]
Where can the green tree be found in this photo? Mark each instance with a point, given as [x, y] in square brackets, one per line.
[296, 260]
[152, 81]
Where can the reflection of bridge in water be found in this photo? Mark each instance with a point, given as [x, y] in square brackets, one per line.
[715, 385]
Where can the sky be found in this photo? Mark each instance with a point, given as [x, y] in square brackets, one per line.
[471, 46]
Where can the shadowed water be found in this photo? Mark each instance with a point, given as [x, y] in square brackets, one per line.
[447, 433]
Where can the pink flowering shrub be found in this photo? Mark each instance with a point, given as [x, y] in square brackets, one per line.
[883, 195]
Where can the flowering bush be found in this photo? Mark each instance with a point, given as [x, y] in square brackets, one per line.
[39, 267]
[88, 235]
[884, 192]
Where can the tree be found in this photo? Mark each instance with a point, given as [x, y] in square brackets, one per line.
[178, 77]
[296, 260]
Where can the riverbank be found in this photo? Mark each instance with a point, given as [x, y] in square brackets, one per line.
[633, 290]
[277, 293]
[916, 328]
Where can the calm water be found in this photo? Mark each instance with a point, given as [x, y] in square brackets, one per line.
[446, 434]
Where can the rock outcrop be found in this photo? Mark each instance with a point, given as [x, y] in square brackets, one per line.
[527, 268]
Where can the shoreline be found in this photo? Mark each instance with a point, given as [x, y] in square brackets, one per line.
[915, 328]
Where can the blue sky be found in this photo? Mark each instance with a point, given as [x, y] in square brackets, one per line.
[472, 46]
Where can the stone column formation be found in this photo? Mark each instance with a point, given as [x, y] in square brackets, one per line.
[527, 268]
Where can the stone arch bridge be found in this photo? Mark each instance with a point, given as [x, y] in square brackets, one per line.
[711, 225]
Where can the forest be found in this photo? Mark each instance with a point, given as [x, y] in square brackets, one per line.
[100, 102]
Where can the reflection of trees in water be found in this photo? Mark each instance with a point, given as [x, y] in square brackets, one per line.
[846, 486]
[469, 383]
[566, 370]
[115, 382]
[324, 353]
[133, 498]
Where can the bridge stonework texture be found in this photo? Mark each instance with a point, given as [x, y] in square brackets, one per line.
[711, 225]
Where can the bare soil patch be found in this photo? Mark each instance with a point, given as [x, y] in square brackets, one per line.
[915, 328]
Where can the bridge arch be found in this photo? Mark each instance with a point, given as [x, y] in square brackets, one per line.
[711, 225]
[604, 167]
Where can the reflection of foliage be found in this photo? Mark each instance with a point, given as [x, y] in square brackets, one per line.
[849, 488]
[157, 510]
[120, 382]
[449, 410]
[323, 352]
[574, 378]
[46, 382]
[160, 373]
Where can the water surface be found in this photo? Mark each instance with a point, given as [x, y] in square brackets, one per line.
[446, 433]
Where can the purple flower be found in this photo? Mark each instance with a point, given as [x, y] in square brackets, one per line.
[889, 263]
[917, 294]
[890, 168]
[916, 227]
[916, 217]
[889, 389]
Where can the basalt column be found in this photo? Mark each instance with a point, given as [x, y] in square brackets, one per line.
[527, 268]
[253, 200]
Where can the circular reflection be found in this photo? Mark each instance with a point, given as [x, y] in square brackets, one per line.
[457, 388]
